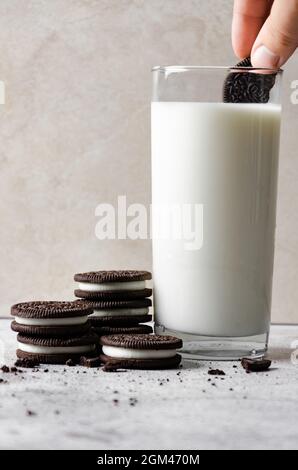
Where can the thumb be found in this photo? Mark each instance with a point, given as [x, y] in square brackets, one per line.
[278, 37]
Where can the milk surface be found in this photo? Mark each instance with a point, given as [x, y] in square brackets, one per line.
[224, 156]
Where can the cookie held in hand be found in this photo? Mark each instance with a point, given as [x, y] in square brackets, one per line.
[247, 87]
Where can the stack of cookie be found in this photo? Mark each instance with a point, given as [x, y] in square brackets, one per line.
[119, 300]
[53, 332]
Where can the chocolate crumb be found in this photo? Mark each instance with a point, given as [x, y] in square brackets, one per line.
[90, 361]
[115, 401]
[30, 413]
[133, 401]
[5, 369]
[70, 363]
[216, 372]
[26, 363]
[110, 368]
[46, 370]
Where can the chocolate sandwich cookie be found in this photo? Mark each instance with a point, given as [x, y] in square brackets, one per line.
[56, 350]
[247, 87]
[140, 351]
[106, 285]
[111, 295]
[51, 318]
[123, 330]
[121, 312]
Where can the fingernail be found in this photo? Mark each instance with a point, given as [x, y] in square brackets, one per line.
[263, 57]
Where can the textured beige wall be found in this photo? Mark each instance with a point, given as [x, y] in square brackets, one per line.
[75, 132]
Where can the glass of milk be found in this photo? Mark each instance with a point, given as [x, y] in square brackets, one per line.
[214, 187]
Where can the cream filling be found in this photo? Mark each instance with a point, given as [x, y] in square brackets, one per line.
[112, 286]
[35, 349]
[128, 353]
[119, 312]
[51, 321]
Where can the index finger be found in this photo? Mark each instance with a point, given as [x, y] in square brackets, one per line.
[248, 18]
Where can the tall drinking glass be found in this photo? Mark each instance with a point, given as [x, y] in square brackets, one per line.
[214, 188]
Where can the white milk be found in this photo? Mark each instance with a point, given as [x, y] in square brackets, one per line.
[224, 156]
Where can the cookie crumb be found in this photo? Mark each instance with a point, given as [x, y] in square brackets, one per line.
[133, 401]
[216, 372]
[109, 368]
[26, 363]
[70, 363]
[90, 361]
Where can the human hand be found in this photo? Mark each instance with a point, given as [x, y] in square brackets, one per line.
[266, 30]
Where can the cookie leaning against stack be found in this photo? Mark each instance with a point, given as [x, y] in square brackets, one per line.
[53, 332]
[140, 351]
[119, 300]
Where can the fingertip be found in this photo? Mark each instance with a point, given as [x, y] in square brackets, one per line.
[240, 45]
[264, 57]
[242, 38]
[240, 51]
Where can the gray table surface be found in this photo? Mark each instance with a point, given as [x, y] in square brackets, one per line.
[78, 408]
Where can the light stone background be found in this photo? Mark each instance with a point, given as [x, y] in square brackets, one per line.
[75, 133]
